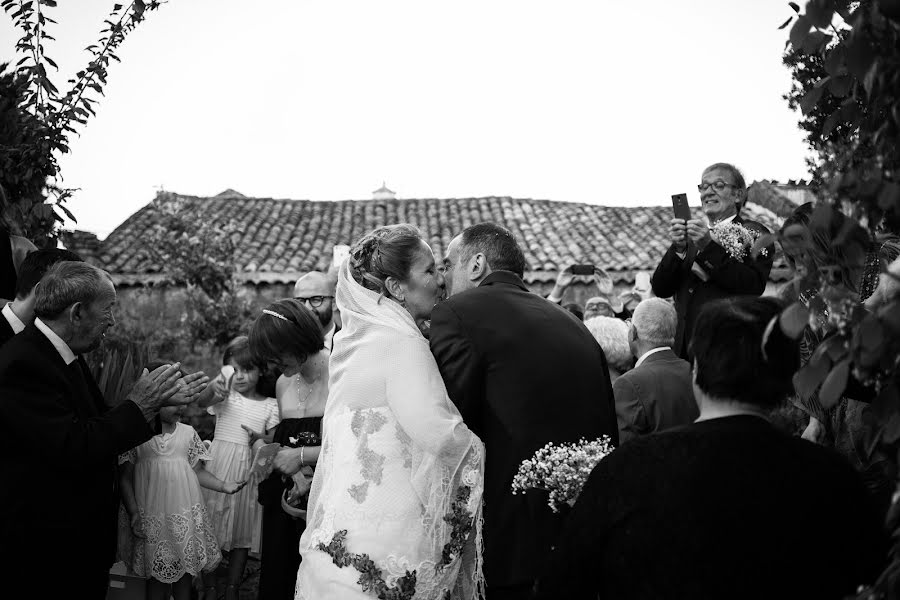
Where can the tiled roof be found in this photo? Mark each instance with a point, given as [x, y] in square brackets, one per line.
[780, 198]
[280, 238]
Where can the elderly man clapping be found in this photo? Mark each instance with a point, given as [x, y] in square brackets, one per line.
[60, 441]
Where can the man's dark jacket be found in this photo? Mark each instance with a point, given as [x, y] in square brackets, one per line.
[657, 395]
[58, 456]
[6, 331]
[523, 372]
[727, 278]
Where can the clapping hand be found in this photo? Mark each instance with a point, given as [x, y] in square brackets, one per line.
[232, 487]
[189, 387]
[678, 234]
[698, 232]
[156, 389]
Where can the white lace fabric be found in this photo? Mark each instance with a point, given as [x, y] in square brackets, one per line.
[394, 458]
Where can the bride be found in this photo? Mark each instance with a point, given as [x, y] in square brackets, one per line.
[395, 505]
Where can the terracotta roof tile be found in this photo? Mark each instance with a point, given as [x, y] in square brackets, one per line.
[293, 236]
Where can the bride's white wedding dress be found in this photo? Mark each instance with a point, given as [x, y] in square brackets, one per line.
[395, 505]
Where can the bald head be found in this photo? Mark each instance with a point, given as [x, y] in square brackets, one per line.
[316, 290]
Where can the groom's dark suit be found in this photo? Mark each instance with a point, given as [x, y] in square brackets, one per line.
[59, 498]
[523, 372]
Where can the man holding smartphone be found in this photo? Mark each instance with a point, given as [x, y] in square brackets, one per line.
[696, 269]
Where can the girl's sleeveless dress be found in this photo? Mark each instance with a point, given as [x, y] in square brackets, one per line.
[179, 537]
[237, 518]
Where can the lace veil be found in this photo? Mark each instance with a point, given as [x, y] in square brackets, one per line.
[382, 370]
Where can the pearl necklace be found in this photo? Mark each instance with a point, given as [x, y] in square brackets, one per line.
[312, 384]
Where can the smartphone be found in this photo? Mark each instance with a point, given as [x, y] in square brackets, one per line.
[582, 269]
[680, 206]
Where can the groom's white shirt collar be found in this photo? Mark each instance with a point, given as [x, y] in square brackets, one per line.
[63, 348]
[710, 224]
[14, 321]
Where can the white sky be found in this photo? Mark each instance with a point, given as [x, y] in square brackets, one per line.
[617, 103]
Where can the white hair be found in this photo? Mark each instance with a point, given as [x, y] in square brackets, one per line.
[655, 321]
[612, 335]
[66, 283]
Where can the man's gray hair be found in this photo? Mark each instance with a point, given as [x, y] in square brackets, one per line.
[736, 174]
[66, 283]
[655, 321]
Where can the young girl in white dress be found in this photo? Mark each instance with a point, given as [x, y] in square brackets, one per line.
[161, 482]
[245, 419]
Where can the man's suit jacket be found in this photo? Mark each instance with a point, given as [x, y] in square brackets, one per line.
[523, 372]
[727, 278]
[58, 455]
[657, 395]
[6, 331]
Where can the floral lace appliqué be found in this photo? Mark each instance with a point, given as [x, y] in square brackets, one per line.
[460, 520]
[405, 441]
[363, 424]
[371, 578]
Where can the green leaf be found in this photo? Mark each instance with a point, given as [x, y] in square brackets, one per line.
[869, 79]
[820, 12]
[808, 379]
[786, 23]
[799, 32]
[51, 62]
[794, 319]
[840, 86]
[815, 42]
[831, 122]
[860, 54]
[812, 97]
[795, 7]
[834, 385]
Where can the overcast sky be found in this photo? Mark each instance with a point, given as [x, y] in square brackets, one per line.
[617, 103]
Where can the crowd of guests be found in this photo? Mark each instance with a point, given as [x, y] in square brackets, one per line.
[404, 392]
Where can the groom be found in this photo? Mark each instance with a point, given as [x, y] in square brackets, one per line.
[523, 372]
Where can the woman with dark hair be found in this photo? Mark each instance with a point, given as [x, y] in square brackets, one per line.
[704, 510]
[287, 336]
[395, 503]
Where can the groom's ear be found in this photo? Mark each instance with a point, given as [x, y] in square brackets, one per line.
[478, 267]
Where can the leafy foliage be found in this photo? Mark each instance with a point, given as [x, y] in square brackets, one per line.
[198, 252]
[845, 59]
[40, 117]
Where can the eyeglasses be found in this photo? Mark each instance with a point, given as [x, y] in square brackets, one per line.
[716, 185]
[314, 301]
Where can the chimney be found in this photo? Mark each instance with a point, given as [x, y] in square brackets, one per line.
[383, 193]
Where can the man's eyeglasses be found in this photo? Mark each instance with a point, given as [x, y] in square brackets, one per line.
[716, 185]
[314, 301]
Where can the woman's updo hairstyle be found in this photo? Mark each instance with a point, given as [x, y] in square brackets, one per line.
[388, 251]
[285, 327]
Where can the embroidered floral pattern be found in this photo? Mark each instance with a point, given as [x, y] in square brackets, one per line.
[371, 579]
[367, 421]
[372, 464]
[405, 441]
[176, 544]
[363, 424]
[359, 491]
[460, 519]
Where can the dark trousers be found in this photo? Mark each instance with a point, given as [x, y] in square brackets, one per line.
[279, 554]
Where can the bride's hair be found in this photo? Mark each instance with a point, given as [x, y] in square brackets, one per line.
[388, 251]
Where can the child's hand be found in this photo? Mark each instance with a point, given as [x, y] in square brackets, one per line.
[222, 386]
[253, 434]
[137, 527]
[232, 487]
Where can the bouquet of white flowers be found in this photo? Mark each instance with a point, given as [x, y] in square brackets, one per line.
[561, 469]
[736, 239]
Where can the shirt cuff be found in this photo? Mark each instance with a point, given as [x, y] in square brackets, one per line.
[554, 299]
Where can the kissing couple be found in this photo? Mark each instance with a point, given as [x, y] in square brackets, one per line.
[422, 436]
